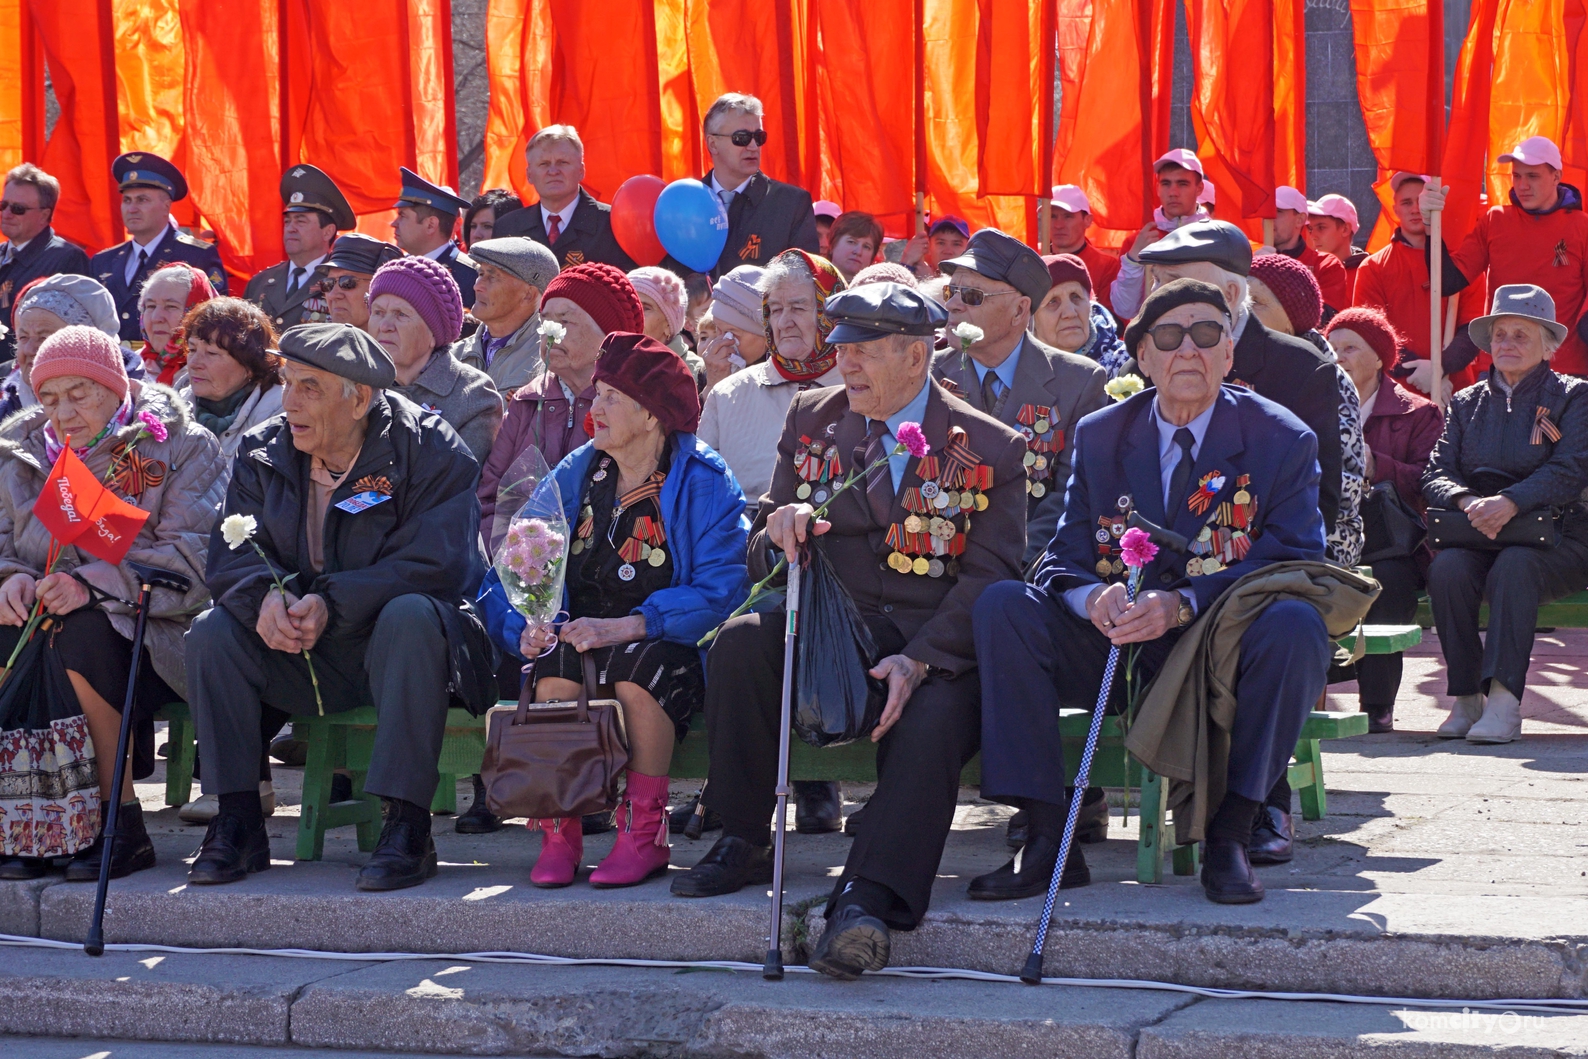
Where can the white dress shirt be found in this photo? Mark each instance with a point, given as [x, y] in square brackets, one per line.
[148, 248]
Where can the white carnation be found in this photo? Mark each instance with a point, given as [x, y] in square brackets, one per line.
[969, 334]
[238, 530]
[552, 332]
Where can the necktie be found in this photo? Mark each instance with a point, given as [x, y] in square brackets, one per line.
[1180, 480]
[143, 263]
[879, 479]
[553, 228]
[727, 198]
[297, 279]
[992, 394]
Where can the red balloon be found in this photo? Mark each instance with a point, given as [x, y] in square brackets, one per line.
[633, 224]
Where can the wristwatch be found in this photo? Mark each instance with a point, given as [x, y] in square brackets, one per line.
[1186, 615]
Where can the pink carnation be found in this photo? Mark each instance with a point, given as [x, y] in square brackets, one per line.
[1138, 548]
[153, 425]
[913, 440]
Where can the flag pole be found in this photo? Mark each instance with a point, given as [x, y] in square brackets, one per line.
[1436, 316]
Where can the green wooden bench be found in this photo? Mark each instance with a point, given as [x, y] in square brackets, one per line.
[1568, 612]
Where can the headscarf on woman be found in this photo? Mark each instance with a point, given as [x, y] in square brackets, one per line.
[168, 363]
[828, 282]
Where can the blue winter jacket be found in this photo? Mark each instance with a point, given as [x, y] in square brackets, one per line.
[707, 534]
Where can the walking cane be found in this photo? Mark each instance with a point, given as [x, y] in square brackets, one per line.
[773, 971]
[148, 577]
[1031, 974]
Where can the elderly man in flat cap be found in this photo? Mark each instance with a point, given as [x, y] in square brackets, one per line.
[344, 277]
[363, 504]
[1236, 475]
[915, 547]
[513, 275]
[313, 208]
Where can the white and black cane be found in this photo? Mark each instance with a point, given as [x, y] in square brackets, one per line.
[148, 578]
[773, 971]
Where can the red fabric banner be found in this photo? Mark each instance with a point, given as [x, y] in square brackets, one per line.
[1467, 138]
[21, 85]
[1014, 96]
[1232, 103]
[518, 47]
[150, 66]
[79, 44]
[79, 511]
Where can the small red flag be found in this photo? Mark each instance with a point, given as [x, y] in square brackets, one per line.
[78, 510]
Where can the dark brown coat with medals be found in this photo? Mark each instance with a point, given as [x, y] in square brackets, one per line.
[932, 613]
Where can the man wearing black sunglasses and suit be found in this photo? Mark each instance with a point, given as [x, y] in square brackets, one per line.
[765, 216]
[32, 250]
[343, 278]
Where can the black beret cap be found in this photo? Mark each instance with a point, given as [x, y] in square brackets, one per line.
[877, 310]
[1217, 242]
[342, 350]
[1171, 295]
[358, 252]
[1002, 257]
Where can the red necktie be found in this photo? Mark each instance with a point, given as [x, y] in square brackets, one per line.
[553, 228]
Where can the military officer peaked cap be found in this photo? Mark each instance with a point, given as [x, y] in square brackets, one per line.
[305, 189]
[877, 310]
[417, 191]
[140, 169]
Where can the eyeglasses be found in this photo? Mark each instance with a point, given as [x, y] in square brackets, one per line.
[973, 295]
[345, 282]
[1205, 334]
[743, 137]
[17, 209]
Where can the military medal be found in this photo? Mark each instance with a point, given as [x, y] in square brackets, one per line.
[934, 568]
[1103, 567]
[804, 490]
[816, 462]
[626, 572]
[1038, 490]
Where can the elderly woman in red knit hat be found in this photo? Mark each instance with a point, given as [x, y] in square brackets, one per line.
[657, 560]
[138, 438]
[169, 292]
[1069, 319]
[1399, 429]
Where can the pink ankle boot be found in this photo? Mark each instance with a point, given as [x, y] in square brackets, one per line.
[561, 848]
[641, 850]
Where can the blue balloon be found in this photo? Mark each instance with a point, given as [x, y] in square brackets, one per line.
[691, 224]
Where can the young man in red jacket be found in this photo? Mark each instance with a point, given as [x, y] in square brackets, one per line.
[1290, 239]
[1541, 237]
[1071, 216]
[1395, 282]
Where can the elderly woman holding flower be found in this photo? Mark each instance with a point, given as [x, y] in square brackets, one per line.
[138, 438]
[657, 558]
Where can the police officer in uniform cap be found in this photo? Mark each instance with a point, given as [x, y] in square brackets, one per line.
[426, 217]
[149, 184]
[313, 211]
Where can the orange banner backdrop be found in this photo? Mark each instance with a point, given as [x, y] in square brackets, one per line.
[518, 47]
[78, 38]
[150, 64]
[21, 85]
[1014, 96]
[1232, 102]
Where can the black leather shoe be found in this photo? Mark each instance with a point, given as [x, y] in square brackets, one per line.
[231, 850]
[289, 751]
[597, 823]
[818, 807]
[1092, 826]
[1036, 871]
[1380, 719]
[479, 820]
[679, 818]
[852, 822]
[854, 941]
[1227, 876]
[21, 868]
[133, 852]
[1271, 837]
[729, 865]
[405, 855]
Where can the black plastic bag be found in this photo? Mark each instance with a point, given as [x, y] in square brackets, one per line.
[835, 699]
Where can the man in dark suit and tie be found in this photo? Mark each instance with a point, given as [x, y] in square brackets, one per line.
[765, 216]
[427, 215]
[149, 184]
[1237, 476]
[313, 209]
[568, 219]
[32, 249]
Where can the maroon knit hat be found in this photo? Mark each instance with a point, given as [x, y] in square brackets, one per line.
[1374, 328]
[650, 373]
[1067, 268]
[429, 287]
[1294, 285]
[602, 291]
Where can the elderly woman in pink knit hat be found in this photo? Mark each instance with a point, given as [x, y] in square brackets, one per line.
[416, 314]
[665, 299]
[138, 438]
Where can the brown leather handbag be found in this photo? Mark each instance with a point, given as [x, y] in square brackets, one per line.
[555, 759]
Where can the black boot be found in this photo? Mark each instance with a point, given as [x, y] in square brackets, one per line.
[479, 820]
[1380, 719]
[1227, 876]
[406, 854]
[1092, 825]
[679, 819]
[818, 807]
[728, 866]
[133, 850]
[233, 847]
[597, 823]
[1037, 859]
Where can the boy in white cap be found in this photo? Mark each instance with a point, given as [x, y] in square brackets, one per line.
[1290, 239]
[1540, 237]
[1332, 223]
[1070, 216]
[1179, 181]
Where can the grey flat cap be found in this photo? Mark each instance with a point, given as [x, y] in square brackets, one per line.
[1217, 242]
[877, 310]
[1002, 257]
[1517, 299]
[340, 349]
[532, 262]
[357, 252]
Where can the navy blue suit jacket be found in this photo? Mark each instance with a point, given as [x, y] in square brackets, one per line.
[1116, 457]
[110, 268]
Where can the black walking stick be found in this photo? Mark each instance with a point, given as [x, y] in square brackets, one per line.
[773, 970]
[1031, 974]
[148, 578]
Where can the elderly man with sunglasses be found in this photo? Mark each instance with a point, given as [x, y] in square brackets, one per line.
[765, 216]
[1237, 476]
[342, 279]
